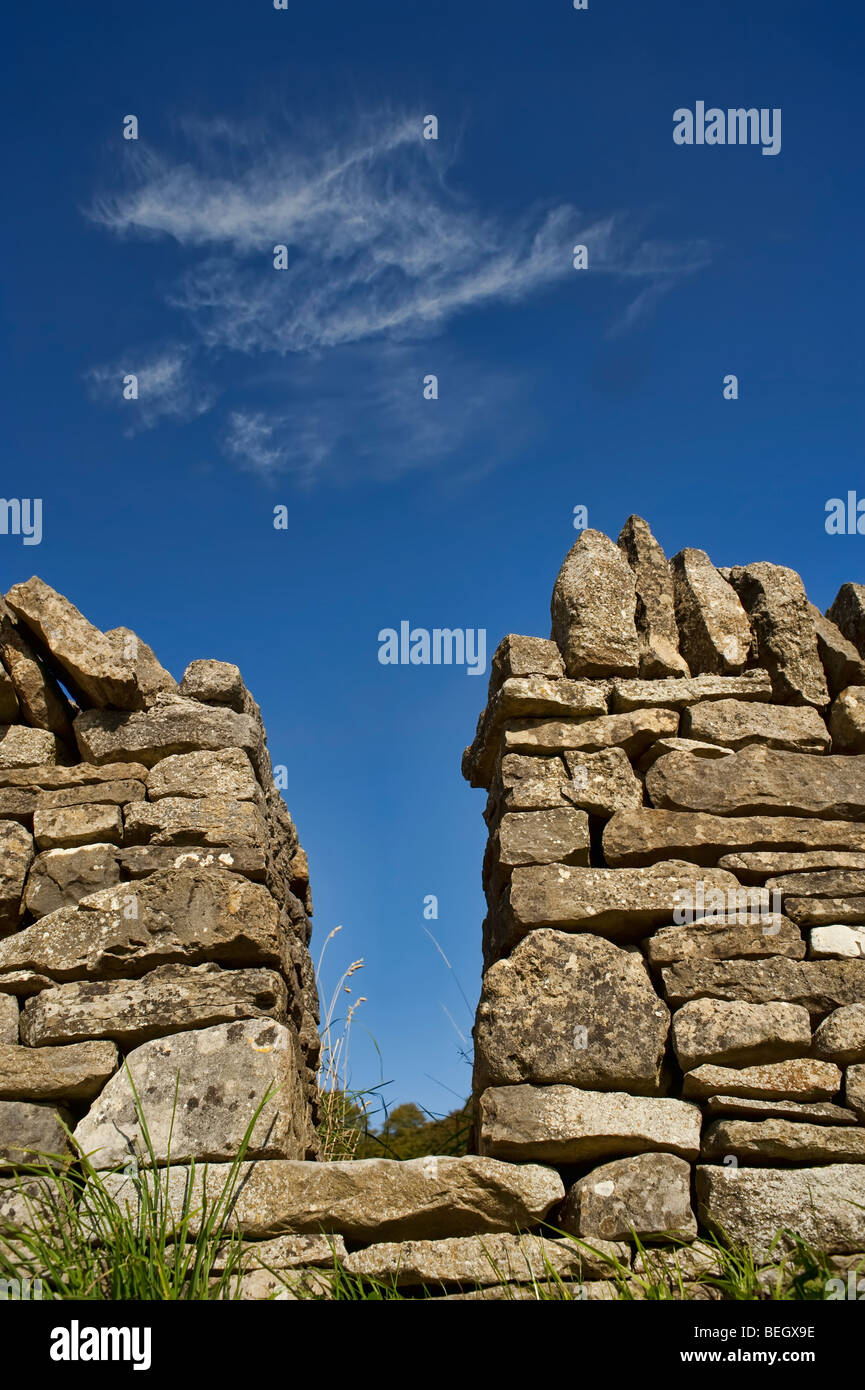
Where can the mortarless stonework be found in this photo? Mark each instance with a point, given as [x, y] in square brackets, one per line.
[614, 1031]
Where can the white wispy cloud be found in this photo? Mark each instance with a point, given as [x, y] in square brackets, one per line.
[169, 387]
[382, 251]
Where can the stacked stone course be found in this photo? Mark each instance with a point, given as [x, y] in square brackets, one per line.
[154, 904]
[688, 737]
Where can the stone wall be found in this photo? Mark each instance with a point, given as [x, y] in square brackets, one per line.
[673, 1006]
[154, 903]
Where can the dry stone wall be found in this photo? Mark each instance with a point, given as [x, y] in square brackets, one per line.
[154, 904]
[673, 1005]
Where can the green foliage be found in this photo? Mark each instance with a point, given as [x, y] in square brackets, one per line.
[407, 1131]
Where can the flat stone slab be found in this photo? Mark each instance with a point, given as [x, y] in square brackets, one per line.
[184, 916]
[728, 1033]
[826, 912]
[529, 784]
[224, 773]
[482, 1260]
[68, 827]
[562, 1124]
[140, 861]
[170, 999]
[645, 836]
[763, 865]
[816, 1112]
[802, 1079]
[180, 820]
[633, 732]
[818, 985]
[172, 725]
[768, 1142]
[524, 656]
[548, 1014]
[732, 939]
[825, 1206]
[611, 902]
[47, 777]
[761, 781]
[371, 1199]
[677, 693]
[737, 723]
[219, 1076]
[836, 942]
[559, 836]
[603, 782]
[56, 1073]
[649, 1194]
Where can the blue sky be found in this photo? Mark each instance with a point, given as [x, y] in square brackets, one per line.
[303, 387]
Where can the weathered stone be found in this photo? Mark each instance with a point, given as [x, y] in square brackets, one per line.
[23, 747]
[284, 1252]
[527, 698]
[43, 704]
[775, 600]
[657, 633]
[56, 1073]
[648, 1195]
[573, 1009]
[8, 1019]
[23, 983]
[139, 861]
[731, 1034]
[561, 1124]
[31, 1134]
[172, 725]
[150, 675]
[848, 614]
[847, 720]
[170, 999]
[815, 1112]
[46, 777]
[732, 939]
[801, 1079]
[759, 1206]
[854, 1089]
[481, 1260]
[524, 656]
[17, 803]
[558, 836]
[62, 877]
[763, 865]
[633, 732]
[826, 912]
[230, 1068]
[102, 793]
[761, 781]
[736, 723]
[8, 698]
[679, 694]
[818, 985]
[68, 827]
[16, 855]
[174, 916]
[714, 633]
[216, 682]
[610, 902]
[645, 835]
[842, 664]
[836, 942]
[841, 1036]
[529, 784]
[593, 608]
[369, 1199]
[181, 820]
[23, 1200]
[764, 1142]
[226, 773]
[680, 745]
[603, 783]
[91, 667]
